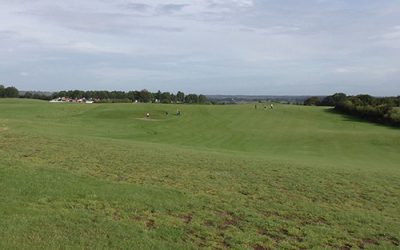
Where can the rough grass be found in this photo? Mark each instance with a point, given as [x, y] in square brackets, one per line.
[97, 176]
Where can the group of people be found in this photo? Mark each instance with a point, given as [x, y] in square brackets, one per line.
[265, 106]
[178, 113]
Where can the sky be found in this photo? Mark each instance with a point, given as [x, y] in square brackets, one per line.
[247, 47]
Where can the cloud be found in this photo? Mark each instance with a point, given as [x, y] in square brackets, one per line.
[301, 47]
[7, 34]
[369, 70]
[140, 7]
[171, 8]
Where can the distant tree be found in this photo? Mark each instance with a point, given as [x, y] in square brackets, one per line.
[328, 101]
[40, 96]
[28, 95]
[354, 100]
[173, 98]
[371, 108]
[118, 95]
[157, 96]
[2, 91]
[191, 99]
[131, 96]
[76, 94]
[333, 100]
[312, 101]
[145, 96]
[88, 94]
[339, 97]
[112, 95]
[180, 97]
[11, 92]
[102, 95]
[367, 99]
[202, 99]
[165, 97]
[59, 94]
[136, 95]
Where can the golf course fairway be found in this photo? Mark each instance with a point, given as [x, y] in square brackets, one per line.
[104, 176]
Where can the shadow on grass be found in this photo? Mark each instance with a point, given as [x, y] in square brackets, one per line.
[355, 119]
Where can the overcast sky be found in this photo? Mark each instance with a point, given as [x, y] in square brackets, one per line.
[279, 47]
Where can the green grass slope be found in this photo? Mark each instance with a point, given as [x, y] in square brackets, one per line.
[103, 176]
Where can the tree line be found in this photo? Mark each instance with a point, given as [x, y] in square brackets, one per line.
[144, 96]
[385, 110]
[8, 92]
[104, 96]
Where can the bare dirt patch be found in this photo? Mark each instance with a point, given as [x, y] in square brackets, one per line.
[187, 218]
[259, 247]
[346, 247]
[3, 129]
[368, 241]
[3, 126]
[150, 224]
[229, 219]
[148, 119]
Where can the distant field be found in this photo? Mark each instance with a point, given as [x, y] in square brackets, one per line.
[104, 176]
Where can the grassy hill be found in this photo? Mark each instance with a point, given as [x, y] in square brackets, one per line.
[103, 176]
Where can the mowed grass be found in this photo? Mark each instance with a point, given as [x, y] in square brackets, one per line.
[103, 176]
